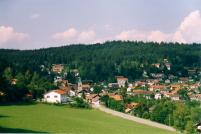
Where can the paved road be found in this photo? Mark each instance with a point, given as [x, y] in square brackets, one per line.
[133, 118]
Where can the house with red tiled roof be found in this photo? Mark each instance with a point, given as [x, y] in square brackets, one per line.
[121, 80]
[157, 87]
[56, 96]
[130, 106]
[116, 97]
[196, 97]
[93, 99]
[145, 93]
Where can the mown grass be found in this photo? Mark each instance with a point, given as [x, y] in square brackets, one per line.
[63, 119]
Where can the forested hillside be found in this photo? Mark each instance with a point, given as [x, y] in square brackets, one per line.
[103, 61]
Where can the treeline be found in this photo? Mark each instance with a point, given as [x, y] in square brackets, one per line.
[23, 86]
[101, 62]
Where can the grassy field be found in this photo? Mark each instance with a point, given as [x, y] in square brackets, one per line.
[62, 119]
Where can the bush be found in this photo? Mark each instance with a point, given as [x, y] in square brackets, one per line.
[80, 103]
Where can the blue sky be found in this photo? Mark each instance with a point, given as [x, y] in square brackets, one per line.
[29, 24]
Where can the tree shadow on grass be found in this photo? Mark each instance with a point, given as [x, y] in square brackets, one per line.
[17, 130]
[2, 116]
[17, 103]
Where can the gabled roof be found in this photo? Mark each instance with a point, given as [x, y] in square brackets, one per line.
[59, 91]
[121, 78]
[142, 92]
[116, 97]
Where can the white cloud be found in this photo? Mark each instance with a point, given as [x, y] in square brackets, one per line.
[188, 31]
[158, 36]
[86, 36]
[8, 34]
[73, 36]
[107, 27]
[67, 35]
[177, 37]
[132, 35]
[35, 16]
[190, 28]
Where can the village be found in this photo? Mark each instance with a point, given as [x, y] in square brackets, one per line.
[138, 98]
[148, 88]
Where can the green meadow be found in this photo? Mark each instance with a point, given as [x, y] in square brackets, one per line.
[43, 118]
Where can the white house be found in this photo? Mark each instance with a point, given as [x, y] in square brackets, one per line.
[199, 127]
[157, 96]
[175, 97]
[55, 96]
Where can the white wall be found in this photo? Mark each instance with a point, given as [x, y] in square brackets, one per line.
[52, 97]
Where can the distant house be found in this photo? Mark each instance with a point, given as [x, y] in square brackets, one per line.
[191, 71]
[57, 79]
[131, 106]
[121, 80]
[157, 87]
[13, 81]
[175, 88]
[93, 99]
[157, 65]
[145, 93]
[199, 127]
[157, 75]
[194, 86]
[2, 93]
[113, 85]
[183, 79]
[157, 96]
[64, 83]
[152, 81]
[75, 71]
[142, 92]
[174, 97]
[168, 66]
[167, 81]
[196, 97]
[115, 97]
[56, 96]
[140, 83]
[165, 60]
[86, 87]
[57, 68]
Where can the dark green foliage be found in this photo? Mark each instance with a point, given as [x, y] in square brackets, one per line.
[116, 105]
[105, 99]
[80, 103]
[97, 89]
[183, 94]
[103, 61]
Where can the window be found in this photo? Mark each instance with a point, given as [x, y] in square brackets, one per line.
[55, 96]
[48, 96]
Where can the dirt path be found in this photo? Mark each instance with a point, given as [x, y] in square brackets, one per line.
[133, 118]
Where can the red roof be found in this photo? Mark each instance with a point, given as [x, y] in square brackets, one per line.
[116, 97]
[142, 92]
[59, 91]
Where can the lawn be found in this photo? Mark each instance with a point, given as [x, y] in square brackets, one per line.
[62, 119]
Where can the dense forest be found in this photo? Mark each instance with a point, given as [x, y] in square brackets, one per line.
[101, 62]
